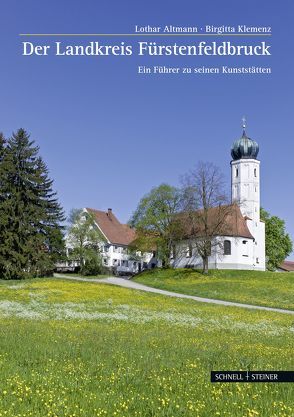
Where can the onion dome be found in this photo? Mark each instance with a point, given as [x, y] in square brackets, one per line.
[244, 148]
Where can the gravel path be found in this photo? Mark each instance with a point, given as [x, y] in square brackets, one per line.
[121, 282]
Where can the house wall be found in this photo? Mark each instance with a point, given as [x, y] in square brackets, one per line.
[257, 229]
[119, 256]
[243, 255]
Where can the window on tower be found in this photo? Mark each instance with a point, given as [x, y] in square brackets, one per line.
[255, 172]
[237, 172]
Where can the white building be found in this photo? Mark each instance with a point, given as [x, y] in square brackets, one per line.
[114, 247]
[243, 245]
[115, 250]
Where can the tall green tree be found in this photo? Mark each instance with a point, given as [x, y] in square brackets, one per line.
[156, 226]
[278, 244]
[84, 240]
[30, 215]
[2, 153]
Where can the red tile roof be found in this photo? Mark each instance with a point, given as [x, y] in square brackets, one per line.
[115, 231]
[287, 266]
[234, 224]
[226, 220]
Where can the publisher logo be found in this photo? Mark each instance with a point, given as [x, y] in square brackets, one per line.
[252, 376]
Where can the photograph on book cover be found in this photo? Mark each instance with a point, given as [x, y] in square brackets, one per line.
[146, 208]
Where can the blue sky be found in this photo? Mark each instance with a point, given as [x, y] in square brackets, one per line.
[108, 134]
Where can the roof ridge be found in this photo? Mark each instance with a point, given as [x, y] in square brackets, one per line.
[115, 231]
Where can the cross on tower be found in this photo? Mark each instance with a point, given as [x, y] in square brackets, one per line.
[244, 122]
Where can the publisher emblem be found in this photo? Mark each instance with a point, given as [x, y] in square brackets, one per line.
[252, 376]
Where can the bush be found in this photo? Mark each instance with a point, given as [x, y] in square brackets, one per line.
[93, 264]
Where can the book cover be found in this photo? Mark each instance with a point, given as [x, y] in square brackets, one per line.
[146, 219]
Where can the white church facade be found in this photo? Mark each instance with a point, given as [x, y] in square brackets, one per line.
[243, 245]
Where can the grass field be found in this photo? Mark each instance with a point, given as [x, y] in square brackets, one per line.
[272, 289]
[81, 349]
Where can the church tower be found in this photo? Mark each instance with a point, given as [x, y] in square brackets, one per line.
[245, 176]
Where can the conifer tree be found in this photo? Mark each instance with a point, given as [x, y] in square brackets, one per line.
[30, 215]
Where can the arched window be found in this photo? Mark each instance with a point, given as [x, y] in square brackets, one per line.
[255, 172]
[237, 172]
[227, 247]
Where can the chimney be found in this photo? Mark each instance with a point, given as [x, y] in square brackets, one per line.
[109, 211]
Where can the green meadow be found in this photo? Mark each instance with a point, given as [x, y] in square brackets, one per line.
[82, 349]
[271, 289]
